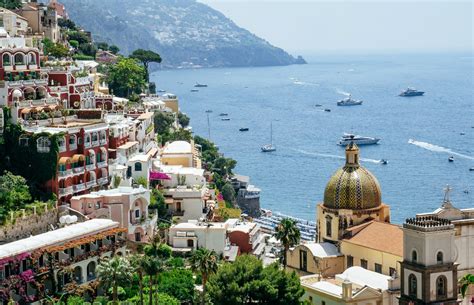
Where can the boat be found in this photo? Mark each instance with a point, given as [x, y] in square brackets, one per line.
[383, 162]
[269, 147]
[225, 119]
[244, 129]
[451, 159]
[327, 110]
[208, 111]
[318, 105]
[194, 90]
[411, 92]
[471, 169]
[348, 101]
[347, 138]
[223, 114]
[161, 91]
[198, 85]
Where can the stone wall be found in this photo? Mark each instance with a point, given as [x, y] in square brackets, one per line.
[28, 225]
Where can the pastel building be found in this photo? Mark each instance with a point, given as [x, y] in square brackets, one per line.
[356, 286]
[188, 236]
[315, 258]
[126, 205]
[181, 153]
[247, 236]
[187, 203]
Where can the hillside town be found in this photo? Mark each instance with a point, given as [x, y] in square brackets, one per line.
[107, 197]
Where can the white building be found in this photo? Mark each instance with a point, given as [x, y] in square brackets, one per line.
[180, 175]
[192, 235]
[187, 203]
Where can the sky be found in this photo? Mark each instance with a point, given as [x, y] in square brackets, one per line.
[356, 25]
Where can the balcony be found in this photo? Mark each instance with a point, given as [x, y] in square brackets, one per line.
[79, 187]
[87, 144]
[103, 180]
[102, 164]
[65, 173]
[72, 146]
[90, 167]
[65, 191]
[90, 184]
[178, 213]
[62, 148]
[78, 170]
[103, 141]
[95, 143]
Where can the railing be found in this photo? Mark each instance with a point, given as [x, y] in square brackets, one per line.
[90, 184]
[101, 164]
[87, 144]
[90, 167]
[103, 141]
[178, 213]
[103, 180]
[78, 170]
[72, 146]
[95, 143]
[43, 149]
[79, 187]
[91, 277]
[66, 191]
[65, 173]
[62, 148]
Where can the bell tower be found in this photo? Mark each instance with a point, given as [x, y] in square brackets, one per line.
[428, 270]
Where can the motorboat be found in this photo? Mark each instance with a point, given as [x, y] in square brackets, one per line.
[383, 162]
[327, 110]
[223, 114]
[411, 92]
[225, 119]
[471, 169]
[194, 90]
[161, 91]
[451, 159]
[347, 138]
[244, 129]
[348, 101]
[318, 105]
[198, 85]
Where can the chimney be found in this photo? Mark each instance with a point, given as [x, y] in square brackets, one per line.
[346, 289]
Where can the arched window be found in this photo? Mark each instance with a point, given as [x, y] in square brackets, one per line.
[412, 285]
[329, 226]
[138, 167]
[32, 59]
[441, 287]
[19, 59]
[43, 145]
[414, 256]
[439, 257]
[7, 61]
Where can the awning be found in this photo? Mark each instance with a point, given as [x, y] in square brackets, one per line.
[53, 107]
[26, 110]
[64, 160]
[40, 108]
[77, 158]
[159, 176]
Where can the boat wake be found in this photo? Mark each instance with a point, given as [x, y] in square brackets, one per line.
[437, 148]
[316, 154]
[342, 92]
[298, 82]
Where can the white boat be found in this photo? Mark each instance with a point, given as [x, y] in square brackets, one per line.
[269, 147]
[348, 101]
[347, 138]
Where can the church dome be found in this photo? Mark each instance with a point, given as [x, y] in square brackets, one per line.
[352, 187]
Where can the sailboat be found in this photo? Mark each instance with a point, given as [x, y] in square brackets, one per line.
[269, 147]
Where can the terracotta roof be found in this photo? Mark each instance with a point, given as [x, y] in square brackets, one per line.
[379, 236]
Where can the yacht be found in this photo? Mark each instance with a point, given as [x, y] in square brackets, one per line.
[348, 101]
[198, 85]
[411, 92]
[347, 138]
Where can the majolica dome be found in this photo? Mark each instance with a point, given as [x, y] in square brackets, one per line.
[352, 187]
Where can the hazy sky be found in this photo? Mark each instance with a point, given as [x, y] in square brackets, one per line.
[382, 25]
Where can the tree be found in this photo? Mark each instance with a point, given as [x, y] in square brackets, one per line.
[114, 49]
[74, 43]
[178, 283]
[177, 135]
[246, 281]
[14, 193]
[146, 57]
[88, 49]
[204, 262]
[67, 23]
[228, 193]
[152, 266]
[466, 281]
[142, 181]
[79, 36]
[103, 46]
[10, 4]
[288, 234]
[162, 122]
[115, 272]
[126, 77]
[138, 263]
[55, 49]
[183, 119]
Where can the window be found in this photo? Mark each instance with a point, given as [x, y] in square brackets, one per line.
[414, 256]
[350, 261]
[138, 236]
[329, 226]
[6, 60]
[323, 303]
[378, 268]
[23, 141]
[72, 140]
[19, 59]
[62, 144]
[138, 167]
[392, 271]
[303, 260]
[439, 257]
[412, 285]
[95, 137]
[190, 243]
[97, 205]
[137, 213]
[43, 144]
[363, 263]
[310, 299]
[441, 283]
[32, 59]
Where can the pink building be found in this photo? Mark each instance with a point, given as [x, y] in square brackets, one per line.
[126, 205]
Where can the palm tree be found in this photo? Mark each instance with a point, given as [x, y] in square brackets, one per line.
[205, 262]
[115, 272]
[138, 263]
[152, 266]
[288, 234]
[465, 282]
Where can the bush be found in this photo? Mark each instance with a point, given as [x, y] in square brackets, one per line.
[178, 283]
[75, 300]
[82, 57]
[102, 300]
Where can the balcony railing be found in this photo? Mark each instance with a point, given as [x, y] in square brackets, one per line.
[65, 173]
[90, 184]
[90, 167]
[79, 187]
[101, 164]
[65, 191]
[95, 143]
[87, 144]
[178, 213]
[72, 146]
[103, 180]
[62, 148]
[103, 141]
[78, 170]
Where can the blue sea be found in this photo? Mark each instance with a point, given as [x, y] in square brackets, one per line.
[418, 134]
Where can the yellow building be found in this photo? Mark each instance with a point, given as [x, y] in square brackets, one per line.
[315, 258]
[375, 246]
[181, 153]
[352, 196]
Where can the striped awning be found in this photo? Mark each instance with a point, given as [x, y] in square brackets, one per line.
[27, 110]
[64, 160]
[77, 158]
